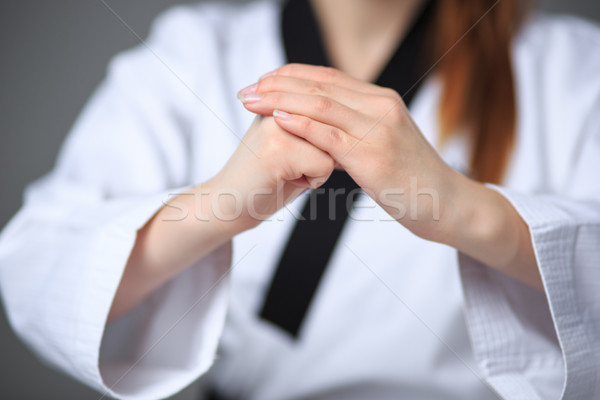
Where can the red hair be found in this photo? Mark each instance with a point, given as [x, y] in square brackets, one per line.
[474, 38]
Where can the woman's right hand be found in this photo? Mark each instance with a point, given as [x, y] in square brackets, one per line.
[267, 170]
[270, 168]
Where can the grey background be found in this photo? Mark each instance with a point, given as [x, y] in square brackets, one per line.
[53, 54]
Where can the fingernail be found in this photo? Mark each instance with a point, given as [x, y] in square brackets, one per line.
[281, 114]
[249, 98]
[272, 73]
[248, 90]
[318, 182]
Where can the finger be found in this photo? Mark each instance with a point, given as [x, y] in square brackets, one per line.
[315, 182]
[325, 75]
[325, 137]
[301, 182]
[351, 98]
[314, 165]
[319, 108]
[309, 166]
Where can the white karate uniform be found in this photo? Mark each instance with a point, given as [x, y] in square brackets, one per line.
[394, 317]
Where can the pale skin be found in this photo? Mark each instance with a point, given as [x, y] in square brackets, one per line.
[326, 117]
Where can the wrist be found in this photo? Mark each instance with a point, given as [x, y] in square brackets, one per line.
[479, 222]
[484, 225]
[219, 209]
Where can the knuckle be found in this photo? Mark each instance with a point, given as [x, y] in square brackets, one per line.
[306, 125]
[266, 84]
[327, 72]
[392, 94]
[382, 104]
[288, 69]
[274, 99]
[273, 146]
[394, 110]
[317, 88]
[398, 115]
[393, 104]
[335, 135]
[323, 104]
[273, 138]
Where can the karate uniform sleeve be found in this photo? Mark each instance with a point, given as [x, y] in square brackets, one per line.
[62, 256]
[546, 345]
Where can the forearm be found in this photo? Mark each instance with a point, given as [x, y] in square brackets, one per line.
[178, 235]
[481, 223]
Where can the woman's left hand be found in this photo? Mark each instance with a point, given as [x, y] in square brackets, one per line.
[368, 130]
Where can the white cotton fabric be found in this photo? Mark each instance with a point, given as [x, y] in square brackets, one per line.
[388, 320]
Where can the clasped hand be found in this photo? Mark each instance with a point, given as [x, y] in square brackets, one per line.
[367, 130]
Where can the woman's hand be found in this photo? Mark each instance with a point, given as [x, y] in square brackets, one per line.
[368, 131]
[269, 168]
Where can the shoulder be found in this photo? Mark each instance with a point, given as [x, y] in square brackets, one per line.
[542, 27]
[558, 56]
[557, 70]
[218, 17]
[561, 44]
[187, 42]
